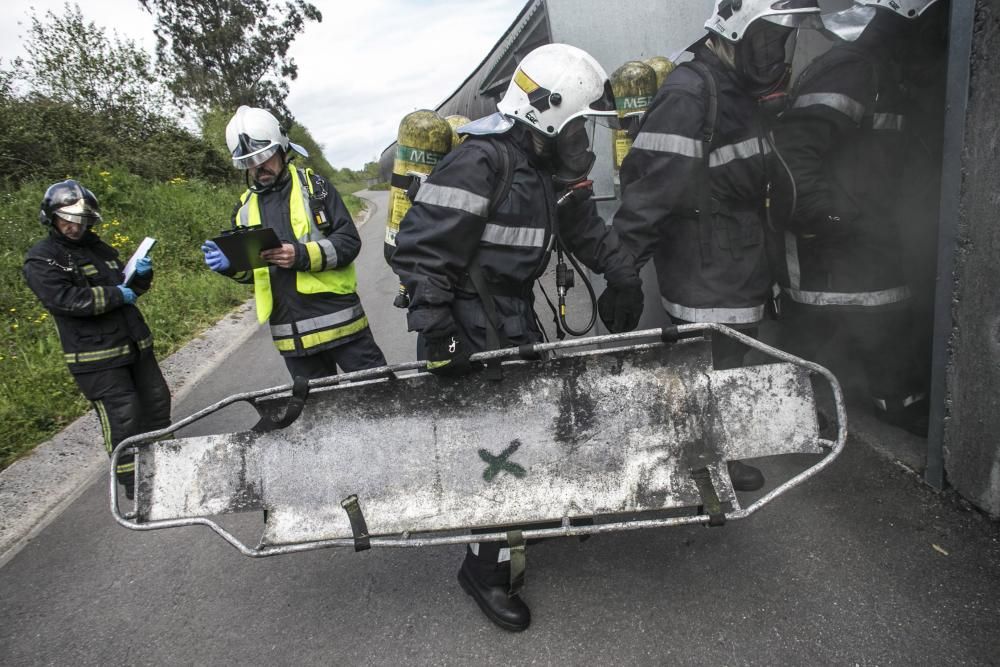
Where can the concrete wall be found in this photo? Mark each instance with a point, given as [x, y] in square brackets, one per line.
[972, 427]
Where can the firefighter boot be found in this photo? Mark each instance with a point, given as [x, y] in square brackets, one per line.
[745, 477]
[488, 583]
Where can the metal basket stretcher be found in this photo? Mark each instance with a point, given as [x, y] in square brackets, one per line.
[637, 424]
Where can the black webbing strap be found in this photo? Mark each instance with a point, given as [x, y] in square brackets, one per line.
[400, 181]
[358, 525]
[709, 498]
[671, 334]
[705, 216]
[528, 352]
[494, 339]
[300, 392]
[515, 540]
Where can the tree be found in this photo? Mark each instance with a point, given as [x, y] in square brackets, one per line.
[83, 68]
[221, 54]
[80, 99]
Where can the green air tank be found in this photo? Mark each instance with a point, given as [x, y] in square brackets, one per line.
[634, 85]
[423, 139]
[456, 121]
[662, 66]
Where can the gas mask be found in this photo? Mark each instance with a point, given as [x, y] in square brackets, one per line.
[572, 158]
[762, 57]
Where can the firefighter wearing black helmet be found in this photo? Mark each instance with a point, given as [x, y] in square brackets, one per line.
[308, 292]
[105, 340]
[694, 184]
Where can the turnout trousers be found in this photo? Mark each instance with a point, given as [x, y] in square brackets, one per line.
[128, 400]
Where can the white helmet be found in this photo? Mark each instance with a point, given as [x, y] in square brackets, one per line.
[848, 24]
[254, 135]
[910, 9]
[731, 18]
[554, 84]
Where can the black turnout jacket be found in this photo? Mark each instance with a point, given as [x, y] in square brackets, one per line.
[452, 221]
[727, 280]
[844, 140]
[77, 282]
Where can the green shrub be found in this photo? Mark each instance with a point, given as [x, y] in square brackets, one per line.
[43, 140]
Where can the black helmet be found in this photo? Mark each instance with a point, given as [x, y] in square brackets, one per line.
[70, 201]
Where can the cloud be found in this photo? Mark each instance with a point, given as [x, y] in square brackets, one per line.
[377, 61]
[360, 71]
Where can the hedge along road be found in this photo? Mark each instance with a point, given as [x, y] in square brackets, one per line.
[841, 570]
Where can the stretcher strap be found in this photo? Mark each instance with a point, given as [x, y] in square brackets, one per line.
[709, 498]
[362, 540]
[528, 352]
[300, 392]
[670, 334]
[515, 540]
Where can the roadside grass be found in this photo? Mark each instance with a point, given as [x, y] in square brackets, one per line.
[38, 396]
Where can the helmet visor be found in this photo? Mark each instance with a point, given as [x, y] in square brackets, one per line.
[253, 152]
[848, 24]
[80, 208]
[795, 14]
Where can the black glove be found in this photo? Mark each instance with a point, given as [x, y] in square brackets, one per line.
[448, 355]
[620, 306]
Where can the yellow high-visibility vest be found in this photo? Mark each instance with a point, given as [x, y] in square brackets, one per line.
[340, 280]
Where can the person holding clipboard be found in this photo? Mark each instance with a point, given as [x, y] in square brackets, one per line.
[293, 239]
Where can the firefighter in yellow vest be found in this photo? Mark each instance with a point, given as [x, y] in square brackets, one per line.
[308, 291]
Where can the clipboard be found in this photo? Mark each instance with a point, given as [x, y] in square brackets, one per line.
[242, 246]
[143, 250]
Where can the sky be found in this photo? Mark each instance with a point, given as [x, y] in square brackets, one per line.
[361, 70]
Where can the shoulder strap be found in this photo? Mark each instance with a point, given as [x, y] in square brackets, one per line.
[707, 136]
[502, 188]
[494, 338]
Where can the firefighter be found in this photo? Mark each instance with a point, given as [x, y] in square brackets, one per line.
[481, 230]
[105, 340]
[845, 140]
[694, 184]
[308, 293]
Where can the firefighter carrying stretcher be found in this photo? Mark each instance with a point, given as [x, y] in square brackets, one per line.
[480, 233]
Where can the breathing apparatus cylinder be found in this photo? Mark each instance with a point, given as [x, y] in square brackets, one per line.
[634, 86]
[662, 66]
[456, 121]
[423, 139]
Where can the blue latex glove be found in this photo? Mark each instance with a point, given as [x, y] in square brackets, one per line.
[144, 266]
[128, 294]
[214, 258]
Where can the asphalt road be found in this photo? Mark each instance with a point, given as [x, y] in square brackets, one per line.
[861, 566]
